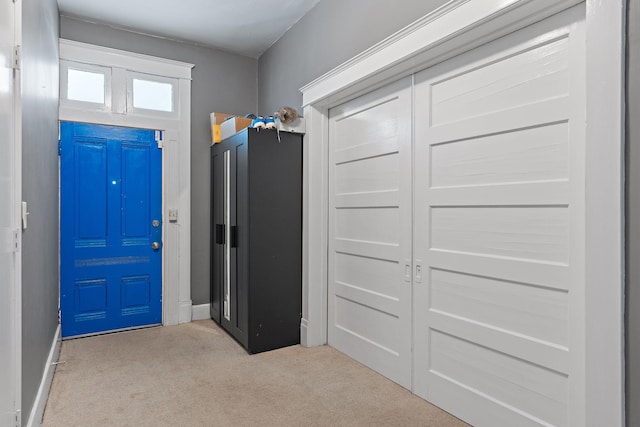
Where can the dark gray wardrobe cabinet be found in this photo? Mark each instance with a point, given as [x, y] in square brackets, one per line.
[256, 238]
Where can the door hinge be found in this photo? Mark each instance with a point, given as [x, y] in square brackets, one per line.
[159, 140]
[18, 414]
[17, 57]
[16, 240]
[9, 240]
[59, 148]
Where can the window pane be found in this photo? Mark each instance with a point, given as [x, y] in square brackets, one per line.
[152, 95]
[85, 86]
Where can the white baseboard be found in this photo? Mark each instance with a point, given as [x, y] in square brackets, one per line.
[303, 333]
[201, 312]
[185, 312]
[37, 411]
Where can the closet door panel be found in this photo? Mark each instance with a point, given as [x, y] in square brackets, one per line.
[499, 178]
[370, 230]
[525, 155]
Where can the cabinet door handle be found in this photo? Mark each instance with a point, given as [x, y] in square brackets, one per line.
[234, 236]
[220, 234]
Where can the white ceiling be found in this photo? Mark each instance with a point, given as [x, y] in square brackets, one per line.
[247, 27]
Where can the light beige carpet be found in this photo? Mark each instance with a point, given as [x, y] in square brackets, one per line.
[196, 375]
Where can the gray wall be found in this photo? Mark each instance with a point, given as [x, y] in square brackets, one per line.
[633, 216]
[221, 82]
[40, 191]
[331, 33]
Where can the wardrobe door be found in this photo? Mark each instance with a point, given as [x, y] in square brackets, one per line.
[217, 233]
[232, 319]
[369, 310]
[499, 239]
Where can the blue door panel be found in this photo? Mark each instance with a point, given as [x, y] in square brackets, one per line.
[90, 298]
[110, 195]
[135, 295]
[90, 186]
[135, 194]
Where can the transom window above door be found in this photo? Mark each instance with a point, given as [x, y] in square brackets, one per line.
[85, 86]
[147, 93]
[117, 90]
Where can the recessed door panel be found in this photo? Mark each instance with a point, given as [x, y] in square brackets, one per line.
[90, 299]
[529, 233]
[526, 77]
[136, 197]
[91, 190]
[135, 295]
[522, 155]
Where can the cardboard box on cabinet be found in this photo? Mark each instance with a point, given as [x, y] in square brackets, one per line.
[232, 126]
[216, 121]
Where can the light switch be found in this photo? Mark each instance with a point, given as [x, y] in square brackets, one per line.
[173, 215]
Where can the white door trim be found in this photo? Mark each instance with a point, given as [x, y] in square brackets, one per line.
[604, 286]
[17, 215]
[176, 158]
[456, 27]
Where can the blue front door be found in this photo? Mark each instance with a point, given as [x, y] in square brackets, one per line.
[110, 228]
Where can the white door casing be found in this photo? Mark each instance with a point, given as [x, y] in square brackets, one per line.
[370, 230]
[176, 160]
[10, 230]
[499, 228]
[458, 27]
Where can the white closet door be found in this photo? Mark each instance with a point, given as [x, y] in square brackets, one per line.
[370, 230]
[499, 228]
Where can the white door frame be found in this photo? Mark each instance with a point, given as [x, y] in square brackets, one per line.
[456, 27]
[176, 156]
[16, 300]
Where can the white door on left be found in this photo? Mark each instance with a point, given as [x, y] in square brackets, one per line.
[369, 273]
[8, 219]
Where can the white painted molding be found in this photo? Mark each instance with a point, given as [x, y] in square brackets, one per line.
[100, 55]
[186, 312]
[455, 27]
[604, 274]
[314, 227]
[16, 282]
[170, 232]
[114, 119]
[37, 411]
[304, 333]
[184, 200]
[201, 312]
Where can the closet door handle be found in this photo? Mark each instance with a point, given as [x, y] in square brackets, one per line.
[233, 238]
[407, 270]
[220, 234]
